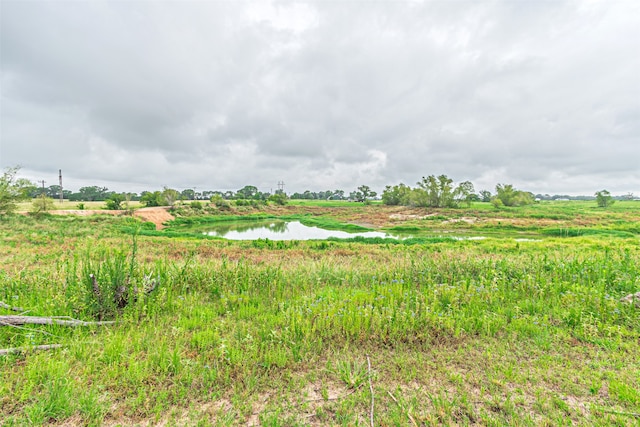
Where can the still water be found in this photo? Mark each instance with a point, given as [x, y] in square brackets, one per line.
[283, 230]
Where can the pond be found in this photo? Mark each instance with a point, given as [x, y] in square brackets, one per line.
[283, 230]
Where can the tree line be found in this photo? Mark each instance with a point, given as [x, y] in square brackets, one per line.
[431, 191]
[441, 192]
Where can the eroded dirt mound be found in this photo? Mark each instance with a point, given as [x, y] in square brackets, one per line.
[157, 215]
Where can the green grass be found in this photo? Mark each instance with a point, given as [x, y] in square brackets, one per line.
[491, 332]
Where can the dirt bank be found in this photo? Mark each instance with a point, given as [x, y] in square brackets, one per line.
[157, 215]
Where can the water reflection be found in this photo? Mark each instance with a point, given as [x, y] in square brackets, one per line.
[223, 228]
[282, 230]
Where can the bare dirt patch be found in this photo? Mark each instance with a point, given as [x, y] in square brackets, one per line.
[157, 215]
[467, 220]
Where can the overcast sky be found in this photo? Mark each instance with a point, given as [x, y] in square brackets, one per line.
[137, 95]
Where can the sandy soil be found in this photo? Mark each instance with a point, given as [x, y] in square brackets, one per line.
[157, 215]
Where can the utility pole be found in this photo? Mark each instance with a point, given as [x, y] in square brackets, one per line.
[42, 181]
[61, 193]
[281, 186]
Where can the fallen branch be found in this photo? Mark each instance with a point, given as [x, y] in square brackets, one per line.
[36, 320]
[627, 414]
[8, 307]
[371, 390]
[17, 350]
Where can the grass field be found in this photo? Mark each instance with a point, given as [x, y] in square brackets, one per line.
[68, 205]
[500, 331]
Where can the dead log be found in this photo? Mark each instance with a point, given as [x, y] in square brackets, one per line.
[37, 320]
[18, 350]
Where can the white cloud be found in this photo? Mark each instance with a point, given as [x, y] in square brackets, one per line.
[219, 95]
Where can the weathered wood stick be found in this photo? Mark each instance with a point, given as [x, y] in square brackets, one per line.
[16, 350]
[8, 307]
[36, 320]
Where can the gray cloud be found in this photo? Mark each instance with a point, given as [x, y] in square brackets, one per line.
[323, 95]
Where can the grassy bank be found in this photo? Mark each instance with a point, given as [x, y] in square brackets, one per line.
[491, 332]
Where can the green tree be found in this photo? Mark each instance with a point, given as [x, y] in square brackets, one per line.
[435, 192]
[93, 193]
[337, 195]
[188, 194]
[247, 192]
[220, 202]
[604, 199]
[509, 196]
[13, 190]
[364, 194]
[397, 195]
[279, 198]
[506, 194]
[114, 201]
[485, 196]
[42, 204]
[170, 196]
[151, 199]
[465, 192]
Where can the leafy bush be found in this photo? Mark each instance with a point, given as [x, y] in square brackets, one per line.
[42, 204]
[279, 199]
[12, 190]
[114, 201]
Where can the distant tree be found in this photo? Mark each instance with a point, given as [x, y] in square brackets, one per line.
[397, 195]
[128, 197]
[188, 194]
[509, 196]
[247, 192]
[604, 199]
[485, 196]
[337, 195]
[170, 196]
[432, 192]
[464, 192]
[93, 193]
[279, 198]
[151, 199]
[42, 204]
[53, 191]
[506, 194]
[363, 194]
[220, 202]
[114, 201]
[13, 190]
[435, 192]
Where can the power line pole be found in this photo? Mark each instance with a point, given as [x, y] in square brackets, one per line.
[281, 186]
[61, 194]
[42, 181]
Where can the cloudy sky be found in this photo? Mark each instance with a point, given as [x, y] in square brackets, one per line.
[137, 95]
